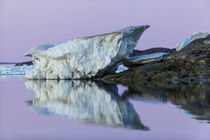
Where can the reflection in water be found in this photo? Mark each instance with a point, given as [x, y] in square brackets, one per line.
[84, 100]
[99, 103]
[192, 99]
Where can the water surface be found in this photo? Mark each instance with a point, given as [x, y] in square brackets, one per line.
[87, 109]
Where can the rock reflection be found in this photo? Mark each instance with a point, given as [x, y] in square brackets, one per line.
[192, 99]
[93, 102]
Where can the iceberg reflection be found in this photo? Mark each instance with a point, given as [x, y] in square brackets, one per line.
[89, 101]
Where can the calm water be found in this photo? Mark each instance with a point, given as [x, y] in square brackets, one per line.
[86, 109]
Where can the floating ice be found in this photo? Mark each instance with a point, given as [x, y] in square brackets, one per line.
[11, 70]
[121, 68]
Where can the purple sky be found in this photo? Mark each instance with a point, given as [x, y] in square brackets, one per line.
[24, 23]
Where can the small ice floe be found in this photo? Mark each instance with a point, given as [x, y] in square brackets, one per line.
[149, 56]
[11, 70]
[121, 68]
[144, 59]
[190, 39]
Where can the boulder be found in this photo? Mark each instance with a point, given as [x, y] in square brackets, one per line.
[85, 57]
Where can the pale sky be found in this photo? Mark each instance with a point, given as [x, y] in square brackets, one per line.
[24, 23]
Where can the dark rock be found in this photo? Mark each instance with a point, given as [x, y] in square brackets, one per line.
[28, 63]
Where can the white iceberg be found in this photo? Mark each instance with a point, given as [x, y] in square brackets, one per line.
[85, 57]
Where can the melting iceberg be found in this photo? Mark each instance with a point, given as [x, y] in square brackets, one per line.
[84, 57]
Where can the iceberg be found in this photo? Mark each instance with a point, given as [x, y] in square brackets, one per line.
[190, 39]
[11, 70]
[149, 56]
[85, 57]
[144, 59]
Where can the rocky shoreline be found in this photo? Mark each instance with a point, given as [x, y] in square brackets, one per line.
[191, 64]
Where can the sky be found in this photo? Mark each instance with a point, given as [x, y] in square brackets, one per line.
[25, 24]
